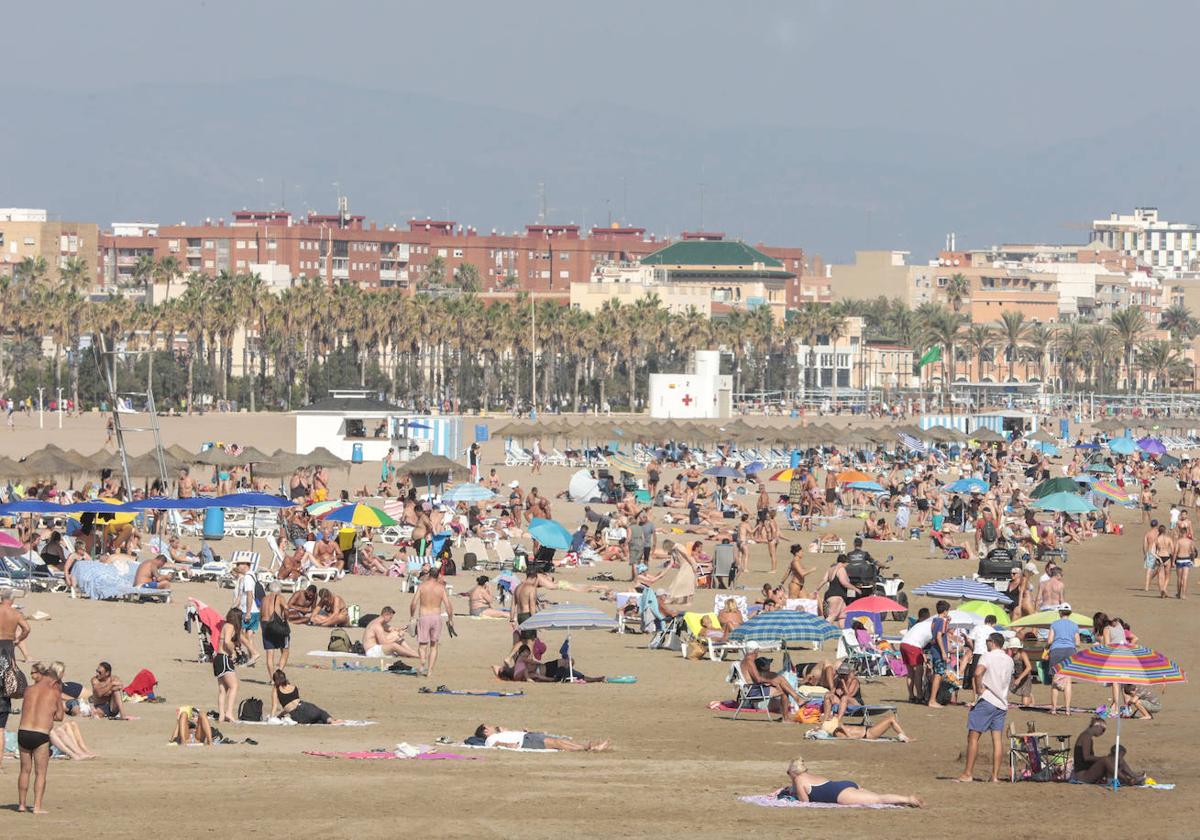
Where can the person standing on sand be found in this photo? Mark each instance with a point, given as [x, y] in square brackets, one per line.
[993, 675]
[524, 605]
[14, 630]
[428, 603]
[41, 707]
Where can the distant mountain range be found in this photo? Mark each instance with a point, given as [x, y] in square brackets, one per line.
[169, 153]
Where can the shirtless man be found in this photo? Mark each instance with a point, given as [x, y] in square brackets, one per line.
[1146, 502]
[380, 639]
[480, 600]
[1184, 557]
[794, 578]
[753, 674]
[186, 485]
[302, 604]
[1151, 560]
[1164, 549]
[293, 564]
[428, 603]
[325, 552]
[106, 693]
[14, 630]
[149, 574]
[330, 611]
[524, 605]
[41, 708]
[1052, 591]
[741, 538]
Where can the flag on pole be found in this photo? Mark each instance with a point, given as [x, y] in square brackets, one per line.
[933, 354]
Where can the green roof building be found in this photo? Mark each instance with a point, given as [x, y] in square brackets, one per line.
[739, 276]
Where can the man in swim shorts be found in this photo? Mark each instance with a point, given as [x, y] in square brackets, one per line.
[381, 639]
[428, 603]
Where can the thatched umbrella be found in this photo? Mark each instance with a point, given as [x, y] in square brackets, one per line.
[986, 435]
[216, 457]
[46, 463]
[322, 457]
[1041, 436]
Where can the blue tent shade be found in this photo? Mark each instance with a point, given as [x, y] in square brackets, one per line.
[967, 589]
[264, 500]
[94, 506]
[32, 506]
[468, 492]
[723, 472]
[1122, 446]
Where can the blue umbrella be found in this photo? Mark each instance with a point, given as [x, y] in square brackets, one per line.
[1087, 446]
[723, 472]
[416, 424]
[468, 492]
[1064, 502]
[263, 500]
[869, 486]
[32, 506]
[964, 588]
[549, 533]
[1099, 467]
[968, 485]
[95, 506]
[785, 626]
[1122, 446]
[754, 467]
[165, 503]
[569, 617]
[1046, 447]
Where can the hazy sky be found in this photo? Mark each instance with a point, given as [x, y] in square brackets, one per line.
[831, 125]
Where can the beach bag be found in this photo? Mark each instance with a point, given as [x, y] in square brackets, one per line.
[989, 531]
[12, 680]
[250, 709]
[696, 649]
[339, 641]
[259, 592]
[469, 561]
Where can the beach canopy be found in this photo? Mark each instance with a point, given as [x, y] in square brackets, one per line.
[967, 485]
[723, 472]
[363, 516]
[35, 506]
[583, 487]
[964, 588]
[785, 626]
[1047, 617]
[549, 533]
[1062, 484]
[1064, 503]
[169, 503]
[876, 604]
[468, 491]
[569, 617]
[1111, 491]
[986, 435]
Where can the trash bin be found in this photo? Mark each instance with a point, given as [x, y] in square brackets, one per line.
[214, 523]
[356, 454]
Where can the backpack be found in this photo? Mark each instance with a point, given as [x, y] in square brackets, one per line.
[259, 592]
[989, 531]
[470, 561]
[449, 567]
[339, 641]
[250, 709]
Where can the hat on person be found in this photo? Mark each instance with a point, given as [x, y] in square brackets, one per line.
[752, 646]
[514, 483]
[1030, 566]
[1012, 644]
[242, 561]
[1064, 607]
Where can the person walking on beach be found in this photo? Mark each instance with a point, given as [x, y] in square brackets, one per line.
[14, 630]
[993, 675]
[41, 707]
[428, 603]
[246, 601]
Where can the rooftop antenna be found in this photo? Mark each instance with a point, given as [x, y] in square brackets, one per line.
[542, 202]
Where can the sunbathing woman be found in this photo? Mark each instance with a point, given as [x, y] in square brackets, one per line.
[286, 702]
[68, 739]
[481, 602]
[887, 723]
[730, 618]
[804, 786]
[191, 726]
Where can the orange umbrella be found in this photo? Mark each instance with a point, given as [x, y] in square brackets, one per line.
[847, 476]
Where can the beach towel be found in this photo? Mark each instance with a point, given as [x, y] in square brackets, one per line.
[429, 756]
[274, 721]
[142, 684]
[770, 800]
[822, 735]
[211, 619]
[100, 581]
[441, 689]
[621, 679]
[506, 749]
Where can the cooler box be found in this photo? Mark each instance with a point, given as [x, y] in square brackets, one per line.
[214, 523]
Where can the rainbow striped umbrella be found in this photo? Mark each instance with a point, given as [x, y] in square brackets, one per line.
[1111, 491]
[1123, 665]
[361, 515]
[322, 508]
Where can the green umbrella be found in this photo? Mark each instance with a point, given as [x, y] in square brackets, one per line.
[986, 608]
[1055, 485]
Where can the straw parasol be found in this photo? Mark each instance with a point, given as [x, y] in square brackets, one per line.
[216, 457]
[322, 457]
[429, 464]
[986, 435]
[47, 463]
[1041, 436]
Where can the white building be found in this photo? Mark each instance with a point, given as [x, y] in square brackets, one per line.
[347, 420]
[702, 392]
[1162, 245]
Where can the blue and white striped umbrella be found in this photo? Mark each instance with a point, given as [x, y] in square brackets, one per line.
[569, 617]
[785, 626]
[468, 491]
[964, 588]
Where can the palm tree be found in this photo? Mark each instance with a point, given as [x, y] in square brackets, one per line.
[1070, 350]
[1178, 321]
[30, 272]
[835, 327]
[143, 272]
[810, 325]
[1102, 346]
[1155, 359]
[946, 330]
[466, 277]
[1130, 325]
[1012, 335]
[958, 289]
[167, 269]
[981, 339]
[1038, 338]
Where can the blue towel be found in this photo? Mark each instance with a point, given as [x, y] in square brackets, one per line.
[102, 580]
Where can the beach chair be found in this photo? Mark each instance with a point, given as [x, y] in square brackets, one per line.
[724, 565]
[476, 546]
[949, 552]
[865, 662]
[628, 621]
[716, 650]
[505, 556]
[229, 580]
[214, 569]
[750, 695]
[293, 585]
[834, 546]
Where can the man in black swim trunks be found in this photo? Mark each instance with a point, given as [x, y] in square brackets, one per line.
[524, 605]
[41, 707]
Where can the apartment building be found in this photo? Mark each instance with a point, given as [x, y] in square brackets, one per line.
[31, 233]
[1163, 246]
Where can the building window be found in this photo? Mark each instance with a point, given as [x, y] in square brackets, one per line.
[442, 253]
[458, 253]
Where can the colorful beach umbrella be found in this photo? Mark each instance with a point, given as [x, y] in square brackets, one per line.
[1100, 468]
[785, 626]
[1122, 665]
[1064, 503]
[363, 516]
[1111, 491]
[785, 475]
[625, 464]
[848, 476]
[986, 608]
[963, 588]
[1047, 617]
[876, 604]
[322, 508]
[549, 533]
[1152, 446]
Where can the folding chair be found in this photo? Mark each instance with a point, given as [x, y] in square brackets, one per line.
[751, 695]
[724, 565]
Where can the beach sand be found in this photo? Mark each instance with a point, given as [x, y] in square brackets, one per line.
[675, 767]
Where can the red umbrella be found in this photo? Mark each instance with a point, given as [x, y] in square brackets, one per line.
[875, 604]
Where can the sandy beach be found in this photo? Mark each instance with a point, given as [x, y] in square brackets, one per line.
[676, 767]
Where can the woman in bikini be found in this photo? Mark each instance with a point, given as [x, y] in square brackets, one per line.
[804, 786]
[223, 665]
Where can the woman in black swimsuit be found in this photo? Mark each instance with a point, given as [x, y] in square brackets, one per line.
[286, 702]
[223, 665]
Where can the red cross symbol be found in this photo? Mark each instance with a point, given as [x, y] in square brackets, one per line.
[687, 399]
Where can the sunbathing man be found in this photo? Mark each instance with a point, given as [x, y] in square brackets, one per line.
[41, 706]
[380, 639]
[302, 604]
[149, 574]
[368, 558]
[106, 693]
[888, 723]
[293, 564]
[753, 674]
[330, 611]
[522, 739]
[481, 602]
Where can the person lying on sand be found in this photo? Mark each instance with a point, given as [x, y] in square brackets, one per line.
[804, 786]
[523, 739]
[884, 725]
[191, 726]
